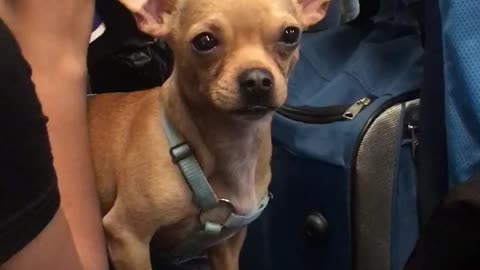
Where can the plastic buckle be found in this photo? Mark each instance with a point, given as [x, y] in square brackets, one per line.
[180, 152]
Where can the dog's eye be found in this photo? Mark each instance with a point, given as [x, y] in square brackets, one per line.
[290, 36]
[204, 42]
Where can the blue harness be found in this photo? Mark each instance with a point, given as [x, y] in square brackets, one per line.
[210, 230]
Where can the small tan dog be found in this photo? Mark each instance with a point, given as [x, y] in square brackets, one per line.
[154, 150]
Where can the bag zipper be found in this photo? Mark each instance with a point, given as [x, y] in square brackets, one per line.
[324, 115]
[356, 108]
[415, 94]
[413, 130]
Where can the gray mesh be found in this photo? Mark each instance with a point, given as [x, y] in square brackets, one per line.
[372, 191]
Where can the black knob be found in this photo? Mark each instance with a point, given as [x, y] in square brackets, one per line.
[316, 227]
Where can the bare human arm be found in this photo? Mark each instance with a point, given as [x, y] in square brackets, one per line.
[53, 35]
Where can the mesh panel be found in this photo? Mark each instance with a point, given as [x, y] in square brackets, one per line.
[372, 191]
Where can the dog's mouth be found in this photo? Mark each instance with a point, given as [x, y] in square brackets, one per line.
[256, 110]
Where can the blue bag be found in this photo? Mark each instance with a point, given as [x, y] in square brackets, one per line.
[344, 176]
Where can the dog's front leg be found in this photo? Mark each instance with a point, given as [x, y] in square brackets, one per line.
[226, 255]
[128, 245]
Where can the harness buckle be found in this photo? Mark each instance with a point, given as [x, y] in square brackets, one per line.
[180, 152]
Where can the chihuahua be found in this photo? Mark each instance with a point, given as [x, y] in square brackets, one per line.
[185, 166]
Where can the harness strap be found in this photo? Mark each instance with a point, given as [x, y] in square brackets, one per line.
[238, 221]
[208, 233]
[211, 233]
[182, 155]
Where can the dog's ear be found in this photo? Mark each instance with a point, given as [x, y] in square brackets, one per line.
[312, 11]
[152, 16]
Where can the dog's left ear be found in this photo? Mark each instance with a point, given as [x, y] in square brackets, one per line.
[152, 16]
[312, 11]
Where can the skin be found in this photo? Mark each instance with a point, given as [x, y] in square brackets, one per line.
[143, 195]
[54, 38]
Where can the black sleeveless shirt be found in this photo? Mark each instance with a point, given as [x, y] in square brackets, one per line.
[29, 195]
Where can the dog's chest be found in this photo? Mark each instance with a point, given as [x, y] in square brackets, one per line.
[175, 243]
[168, 237]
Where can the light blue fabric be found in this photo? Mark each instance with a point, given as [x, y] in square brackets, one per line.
[461, 35]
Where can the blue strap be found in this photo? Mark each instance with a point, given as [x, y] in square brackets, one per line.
[211, 233]
[182, 154]
[208, 233]
[238, 221]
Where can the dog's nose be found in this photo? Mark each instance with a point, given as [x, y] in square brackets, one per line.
[256, 82]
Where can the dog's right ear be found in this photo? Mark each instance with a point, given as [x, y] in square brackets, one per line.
[152, 16]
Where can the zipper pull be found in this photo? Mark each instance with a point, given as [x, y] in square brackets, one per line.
[356, 108]
[413, 129]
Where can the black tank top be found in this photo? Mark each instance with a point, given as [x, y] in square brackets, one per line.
[29, 195]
